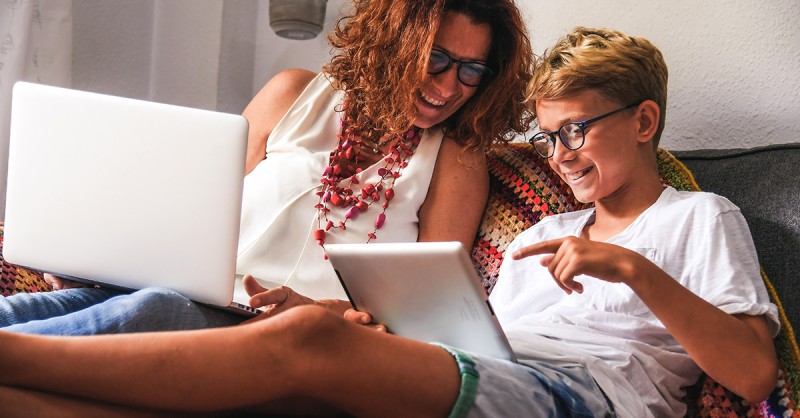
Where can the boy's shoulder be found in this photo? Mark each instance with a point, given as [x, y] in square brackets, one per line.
[672, 206]
[702, 202]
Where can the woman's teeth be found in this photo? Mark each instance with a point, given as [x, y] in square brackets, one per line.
[431, 100]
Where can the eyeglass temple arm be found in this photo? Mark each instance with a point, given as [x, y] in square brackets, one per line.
[614, 112]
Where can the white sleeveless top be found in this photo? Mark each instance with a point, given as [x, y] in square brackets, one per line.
[276, 243]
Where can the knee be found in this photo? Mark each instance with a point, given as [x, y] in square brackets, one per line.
[313, 321]
[158, 297]
[306, 327]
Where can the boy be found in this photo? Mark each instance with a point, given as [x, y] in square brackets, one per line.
[651, 281]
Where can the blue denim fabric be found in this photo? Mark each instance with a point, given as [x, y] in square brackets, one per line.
[88, 311]
[26, 307]
[500, 388]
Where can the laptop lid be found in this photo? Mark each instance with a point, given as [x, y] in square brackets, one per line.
[124, 192]
[427, 291]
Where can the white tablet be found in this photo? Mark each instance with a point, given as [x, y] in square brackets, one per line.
[425, 291]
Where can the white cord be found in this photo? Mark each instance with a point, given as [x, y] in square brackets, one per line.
[303, 251]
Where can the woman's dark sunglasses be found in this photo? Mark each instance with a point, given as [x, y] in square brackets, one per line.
[470, 73]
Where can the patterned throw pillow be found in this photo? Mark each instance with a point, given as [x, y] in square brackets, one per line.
[524, 190]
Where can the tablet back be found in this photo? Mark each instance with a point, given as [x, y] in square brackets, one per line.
[425, 291]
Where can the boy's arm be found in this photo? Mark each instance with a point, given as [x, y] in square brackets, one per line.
[737, 351]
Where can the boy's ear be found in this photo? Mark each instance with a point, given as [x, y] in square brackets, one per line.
[649, 114]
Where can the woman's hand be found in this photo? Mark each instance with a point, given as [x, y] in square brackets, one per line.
[57, 283]
[273, 301]
[279, 299]
[363, 318]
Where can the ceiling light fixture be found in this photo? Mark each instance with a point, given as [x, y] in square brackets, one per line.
[297, 19]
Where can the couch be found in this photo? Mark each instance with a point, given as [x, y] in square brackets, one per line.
[761, 181]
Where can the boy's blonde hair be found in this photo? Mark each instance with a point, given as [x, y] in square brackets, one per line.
[623, 68]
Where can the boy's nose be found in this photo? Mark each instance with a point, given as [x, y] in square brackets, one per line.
[560, 152]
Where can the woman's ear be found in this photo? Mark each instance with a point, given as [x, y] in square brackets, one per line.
[648, 116]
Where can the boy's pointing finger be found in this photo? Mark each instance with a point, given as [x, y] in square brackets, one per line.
[544, 247]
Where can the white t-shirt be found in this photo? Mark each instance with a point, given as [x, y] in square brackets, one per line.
[699, 239]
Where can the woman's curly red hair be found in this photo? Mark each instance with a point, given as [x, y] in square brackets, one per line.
[381, 60]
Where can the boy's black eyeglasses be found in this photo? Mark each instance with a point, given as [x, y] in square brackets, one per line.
[470, 73]
[571, 134]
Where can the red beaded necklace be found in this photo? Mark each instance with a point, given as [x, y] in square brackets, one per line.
[345, 157]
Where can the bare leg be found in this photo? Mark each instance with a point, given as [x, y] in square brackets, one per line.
[28, 403]
[304, 352]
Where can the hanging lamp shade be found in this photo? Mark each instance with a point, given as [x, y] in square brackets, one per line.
[297, 19]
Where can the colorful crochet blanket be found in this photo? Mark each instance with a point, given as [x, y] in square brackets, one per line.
[15, 279]
[523, 191]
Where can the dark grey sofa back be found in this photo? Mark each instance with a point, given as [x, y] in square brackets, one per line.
[765, 183]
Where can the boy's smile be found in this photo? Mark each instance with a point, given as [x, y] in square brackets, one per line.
[577, 175]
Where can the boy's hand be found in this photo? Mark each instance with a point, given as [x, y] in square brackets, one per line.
[573, 256]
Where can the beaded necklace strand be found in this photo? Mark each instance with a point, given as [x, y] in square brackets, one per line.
[344, 159]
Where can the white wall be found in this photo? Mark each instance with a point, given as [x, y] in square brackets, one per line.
[734, 64]
[273, 54]
[734, 78]
[197, 53]
[36, 46]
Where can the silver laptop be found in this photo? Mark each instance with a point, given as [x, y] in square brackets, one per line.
[425, 291]
[125, 193]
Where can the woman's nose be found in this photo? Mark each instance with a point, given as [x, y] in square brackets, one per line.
[447, 81]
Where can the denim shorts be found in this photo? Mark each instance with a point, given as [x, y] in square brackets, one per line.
[492, 387]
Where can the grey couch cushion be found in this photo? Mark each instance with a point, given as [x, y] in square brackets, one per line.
[765, 184]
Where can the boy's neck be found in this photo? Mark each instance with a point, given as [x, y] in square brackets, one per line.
[614, 213]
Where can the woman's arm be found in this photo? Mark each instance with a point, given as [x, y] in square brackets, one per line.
[268, 107]
[457, 196]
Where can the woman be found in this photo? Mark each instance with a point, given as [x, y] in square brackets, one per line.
[311, 357]
[402, 110]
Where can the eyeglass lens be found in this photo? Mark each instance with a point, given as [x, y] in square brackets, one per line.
[470, 73]
[570, 134]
